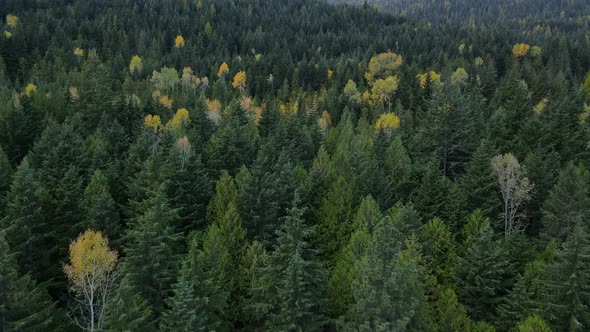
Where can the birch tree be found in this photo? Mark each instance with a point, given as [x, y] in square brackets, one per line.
[515, 187]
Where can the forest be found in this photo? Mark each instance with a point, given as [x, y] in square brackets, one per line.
[294, 165]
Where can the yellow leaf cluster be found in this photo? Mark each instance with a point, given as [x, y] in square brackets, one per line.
[330, 74]
[152, 122]
[478, 61]
[79, 52]
[223, 70]
[166, 101]
[136, 64]
[541, 106]
[387, 121]
[240, 80]
[179, 41]
[73, 91]
[423, 78]
[384, 89]
[183, 145]
[460, 76]
[30, 89]
[214, 106]
[520, 50]
[11, 20]
[383, 65]
[7, 34]
[179, 120]
[90, 258]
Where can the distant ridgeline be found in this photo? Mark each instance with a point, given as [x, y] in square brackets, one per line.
[526, 15]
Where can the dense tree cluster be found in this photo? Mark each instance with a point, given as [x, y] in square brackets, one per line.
[289, 166]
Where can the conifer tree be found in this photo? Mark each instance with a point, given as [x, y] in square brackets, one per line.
[99, 207]
[151, 251]
[292, 283]
[567, 204]
[24, 304]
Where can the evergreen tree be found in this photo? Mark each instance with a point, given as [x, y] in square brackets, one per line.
[387, 293]
[292, 283]
[478, 185]
[6, 172]
[99, 207]
[151, 251]
[431, 196]
[483, 274]
[566, 283]
[24, 305]
[128, 310]
[567, 204]
[25, 220]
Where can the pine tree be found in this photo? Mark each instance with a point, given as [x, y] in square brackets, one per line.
[6, 172]
[190, 191]
[334, 220]
[24, 305]
[99, 207]
[431, 197]
[567, 203]
[478, 186]
[566, 283]
[483, 274]
[151, 251]
[399, 170]
[387, 294]
[292, 284]
[438, 249]
[25, 219]
[128, 310]
[199, 301]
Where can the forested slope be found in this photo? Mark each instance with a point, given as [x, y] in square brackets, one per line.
[289, 165]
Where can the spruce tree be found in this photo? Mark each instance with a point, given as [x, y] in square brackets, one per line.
[6, 172]
[566, 283]
[128, 310]
[387, 293]
[24, 304]
[100, 208]
[25, 220]
[292, 284]
[151, 251]
[567, 204]
[483, 274]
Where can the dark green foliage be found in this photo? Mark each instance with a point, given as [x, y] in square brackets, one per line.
[567, 204]
[291, 286]
[24, 305]
[99, 207]
[387, 293]
[151, 251]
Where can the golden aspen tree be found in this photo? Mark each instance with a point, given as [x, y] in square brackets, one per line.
[459, 77]
[179, 41]
[179, 120]
[330, 74]
[136, 64]
[7, 34]
[382, 66]
[223, 70]
[30, 89]
[152, 122]
[91, 273]
[240, 81]
[432, 75]
[520, 50]
[79, 52]
[166, 101]
[541, 106]
[384, 90]
[387, 121]
[11, 21]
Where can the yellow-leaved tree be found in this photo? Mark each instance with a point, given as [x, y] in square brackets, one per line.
[11, 20]
[433, 76]
[240, 81]
[91, 272]
[152, 122]
[520, 50]
[223, 70]
[183, 146]
[382, 66]
[136, 64]
[384, 90]
[79, 52]
[387, 122]
[179, 41]
[30, 89]
[179, 120]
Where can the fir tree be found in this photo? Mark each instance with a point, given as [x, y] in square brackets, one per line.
[99, 207]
